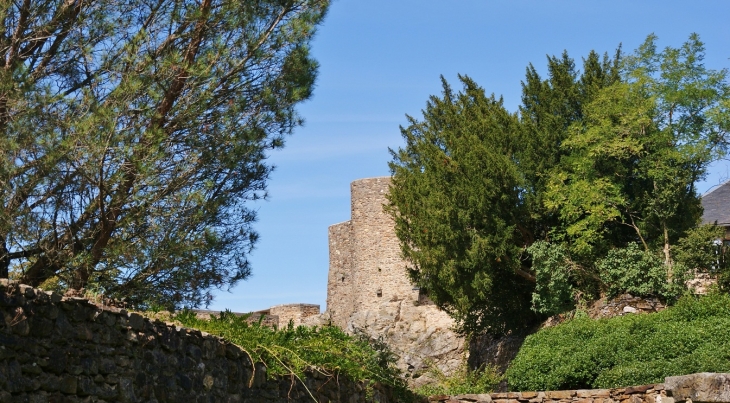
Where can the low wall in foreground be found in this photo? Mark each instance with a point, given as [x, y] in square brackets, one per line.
[695, 388]
[55, 349]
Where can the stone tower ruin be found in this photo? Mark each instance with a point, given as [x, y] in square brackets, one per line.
[369, 291]
[365, 264]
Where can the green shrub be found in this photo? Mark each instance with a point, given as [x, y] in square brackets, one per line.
[554, 278]
[292, 351]
[698, 249]
[638, 272]
[692, 336]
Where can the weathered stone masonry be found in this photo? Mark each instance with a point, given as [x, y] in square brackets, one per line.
[369, 291]
[55, 349]
[277, 316]
[365, 264]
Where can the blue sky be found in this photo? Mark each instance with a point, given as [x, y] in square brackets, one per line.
[380, 60]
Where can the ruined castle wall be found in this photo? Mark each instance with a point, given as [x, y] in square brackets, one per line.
[378, 270]
[339, 282]
[369, 290]
[295, 313]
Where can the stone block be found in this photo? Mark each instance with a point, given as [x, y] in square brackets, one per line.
[703, 387]
[54, 297]
[482, 398]
[636, 398]
[559, 394]
[41, 297]
[14, 299]
[593, 393]
[136, 321]
[41, 327]
[27, 291]
[505, 395]
[638, 389]
[68, 384]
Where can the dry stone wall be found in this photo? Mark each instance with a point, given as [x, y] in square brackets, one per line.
[637, 394]
[369, 291]
[695, 388]
[55, 349]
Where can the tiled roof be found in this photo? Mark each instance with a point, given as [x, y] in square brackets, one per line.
[717, 205]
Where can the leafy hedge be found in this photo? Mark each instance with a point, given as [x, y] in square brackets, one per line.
[291, 351]
[692, 336]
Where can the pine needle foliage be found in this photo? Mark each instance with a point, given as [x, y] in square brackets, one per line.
[134, 135]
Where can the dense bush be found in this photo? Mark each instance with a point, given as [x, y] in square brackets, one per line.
[641, 273]
[692, 336]
[556, 278]
[291, 351]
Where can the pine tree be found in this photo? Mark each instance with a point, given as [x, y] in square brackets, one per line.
[133, 135]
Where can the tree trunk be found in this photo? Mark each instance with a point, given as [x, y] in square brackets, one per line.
[4, 259]
[667, 256]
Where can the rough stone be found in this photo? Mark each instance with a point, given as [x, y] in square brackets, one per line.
[136, 321]
[369, 292]
[560, 394]
[702, 387]
[637, 389]
[482, 398]
[54, 297]
[27, 291]
[90, 353]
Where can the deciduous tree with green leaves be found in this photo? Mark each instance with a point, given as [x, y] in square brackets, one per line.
[632, 162]
[133, 134]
